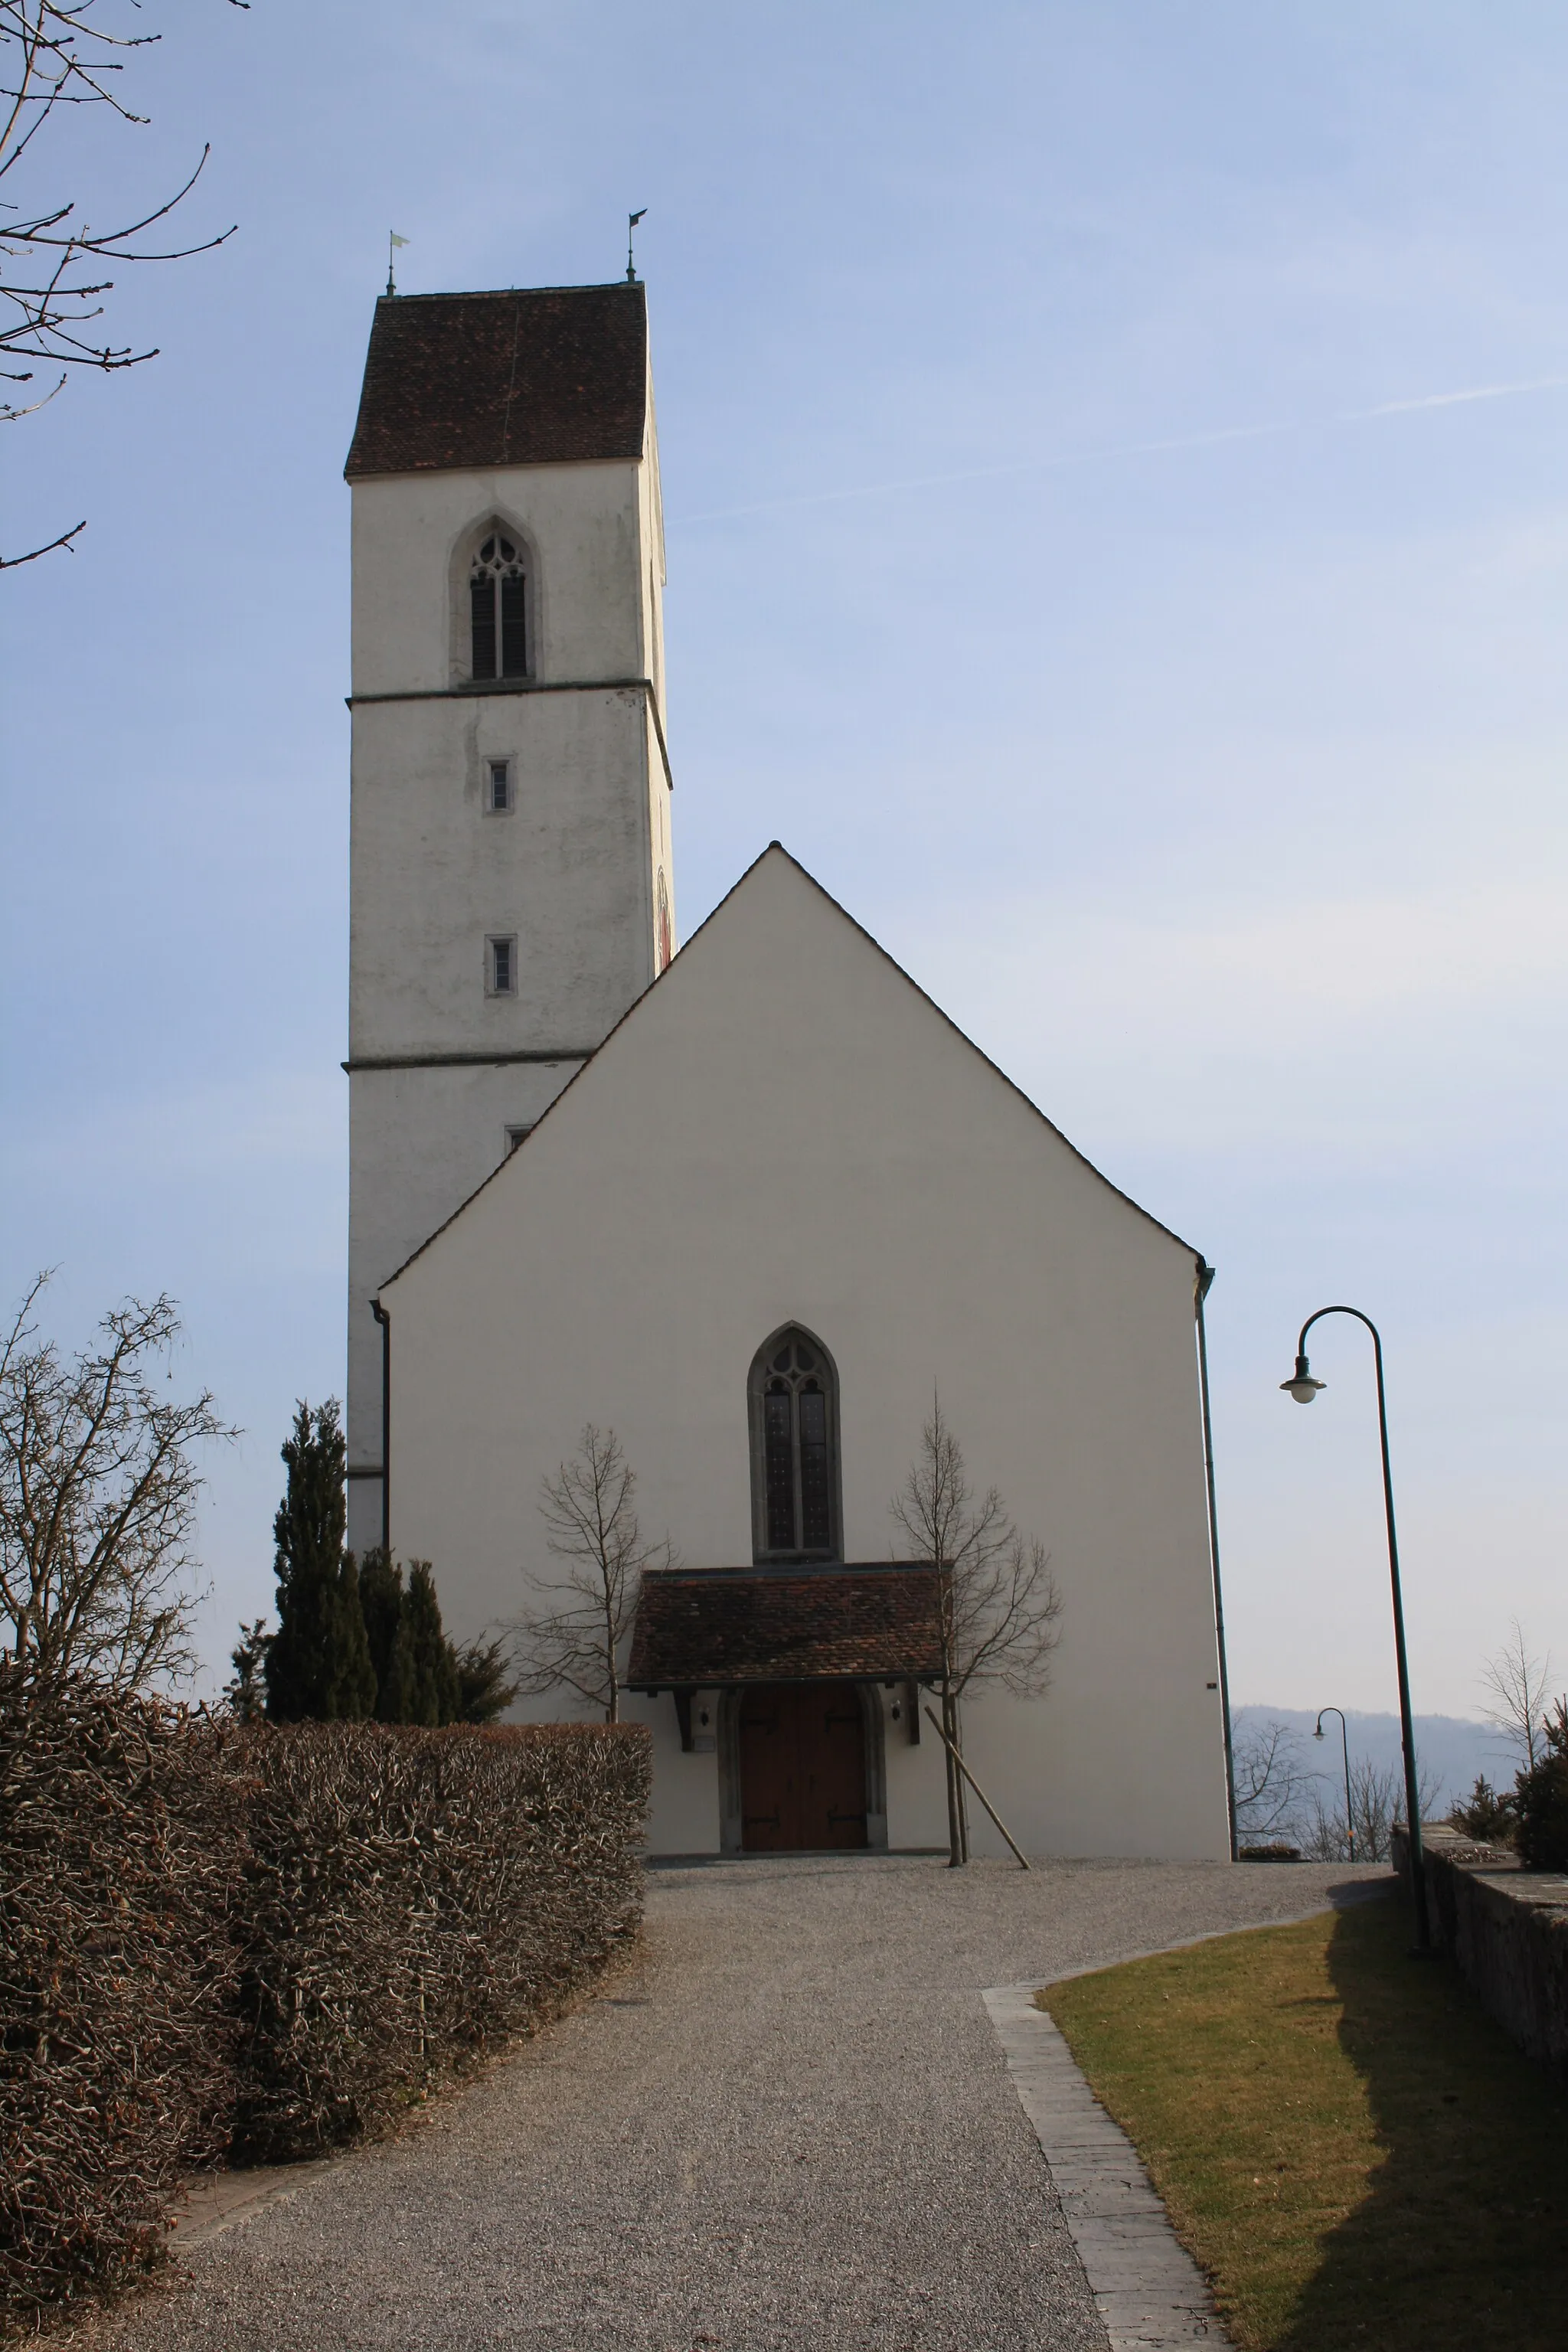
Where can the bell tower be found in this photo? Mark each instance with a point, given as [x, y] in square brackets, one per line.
[511, 885]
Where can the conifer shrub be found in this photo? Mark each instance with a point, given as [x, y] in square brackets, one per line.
[1486, 1813]
[318, 1665]
[1541, 1800]
[416, 1674]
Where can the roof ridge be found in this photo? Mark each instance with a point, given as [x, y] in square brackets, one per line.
[497, 293]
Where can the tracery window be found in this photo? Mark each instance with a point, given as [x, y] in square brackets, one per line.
[498, 609]
[794, 1446]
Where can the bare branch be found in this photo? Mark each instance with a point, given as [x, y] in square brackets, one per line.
[58, 53]
[1280, 1797]
[1272, 1781]
[1516, 1683]
[98, 1501]
[10, 563]
[590, 1525]
[998, 1609]
[1377, 1802]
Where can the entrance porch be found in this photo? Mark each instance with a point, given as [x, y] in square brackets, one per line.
[782, 1674]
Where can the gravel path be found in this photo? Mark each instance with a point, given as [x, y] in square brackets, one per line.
[790, 2125]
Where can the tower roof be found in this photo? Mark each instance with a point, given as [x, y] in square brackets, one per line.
[547, 375]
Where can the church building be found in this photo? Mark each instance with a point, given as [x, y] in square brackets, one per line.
[751, 1206]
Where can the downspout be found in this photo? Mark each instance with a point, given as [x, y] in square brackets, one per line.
[385, 1319]
[1205, 1283]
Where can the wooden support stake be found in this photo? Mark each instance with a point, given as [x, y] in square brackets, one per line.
[1020, 1858]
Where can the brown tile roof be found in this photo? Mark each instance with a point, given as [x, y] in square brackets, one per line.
[547, 376]
[772, 1624]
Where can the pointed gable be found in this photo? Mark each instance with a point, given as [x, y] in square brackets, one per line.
[785, 1132]
[782, 1018]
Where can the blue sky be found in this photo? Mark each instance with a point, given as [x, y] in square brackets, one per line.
[1077, 558]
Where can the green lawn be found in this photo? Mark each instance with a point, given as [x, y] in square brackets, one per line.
[1351, 2148]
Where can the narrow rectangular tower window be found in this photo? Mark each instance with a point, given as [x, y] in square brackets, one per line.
[500, 966]
[498, 787]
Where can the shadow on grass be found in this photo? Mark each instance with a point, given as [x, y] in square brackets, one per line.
[1462, 2240]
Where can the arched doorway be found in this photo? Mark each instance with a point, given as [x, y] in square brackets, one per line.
[802, 1767]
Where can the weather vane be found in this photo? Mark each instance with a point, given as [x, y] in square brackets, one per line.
[392, 242]
[632, 220]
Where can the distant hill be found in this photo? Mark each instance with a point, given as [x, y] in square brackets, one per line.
[1449, 1745]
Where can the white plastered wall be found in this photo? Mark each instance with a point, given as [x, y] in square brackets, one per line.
[570, 871]
[582, 525]
[565, 869]
[737, 1157]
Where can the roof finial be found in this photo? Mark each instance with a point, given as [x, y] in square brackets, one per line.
[392, 242]
[632, 220]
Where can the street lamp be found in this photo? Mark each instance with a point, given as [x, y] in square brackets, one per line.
[1345, 1750]
[1304, 1389]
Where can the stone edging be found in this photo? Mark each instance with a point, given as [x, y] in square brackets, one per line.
[1146, 2286]
[1148, 2289]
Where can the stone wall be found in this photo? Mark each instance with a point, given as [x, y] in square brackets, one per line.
[1507, 1928]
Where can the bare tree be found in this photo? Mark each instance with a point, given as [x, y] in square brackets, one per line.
[97, 1502]
[1377, 1802]
[1516, 1683]
[591, 1523]
[54, 54]
[998, 1603]
[1272, 1782]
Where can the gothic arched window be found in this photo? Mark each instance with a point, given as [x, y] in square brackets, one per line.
[794, 1402]
[498, 601]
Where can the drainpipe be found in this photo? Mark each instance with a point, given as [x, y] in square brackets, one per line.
[1205, 1283]
[385, 1319]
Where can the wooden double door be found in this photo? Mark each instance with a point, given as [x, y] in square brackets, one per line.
[803, 1767]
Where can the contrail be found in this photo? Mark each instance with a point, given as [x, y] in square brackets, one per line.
[1135, 449]
[1453, 399]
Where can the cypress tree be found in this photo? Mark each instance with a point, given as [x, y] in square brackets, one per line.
[318, 1662]
[246, 1688]
[433, 1668]
[353, 1690]
[382, 1599]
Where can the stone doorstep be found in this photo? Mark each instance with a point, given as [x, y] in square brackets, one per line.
[1147, 2288]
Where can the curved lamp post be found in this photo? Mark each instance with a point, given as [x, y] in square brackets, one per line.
[1304, 1389]
[1345, 1750]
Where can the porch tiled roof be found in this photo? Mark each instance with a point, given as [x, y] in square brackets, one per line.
[716, 1626]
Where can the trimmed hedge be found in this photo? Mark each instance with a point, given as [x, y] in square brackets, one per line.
[410, 1896]
[117, 1866]
[266, 1942]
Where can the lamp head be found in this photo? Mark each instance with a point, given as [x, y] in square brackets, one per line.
[1301, 1385]
[1319, 1733]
